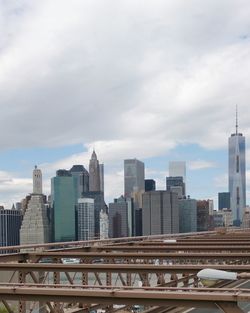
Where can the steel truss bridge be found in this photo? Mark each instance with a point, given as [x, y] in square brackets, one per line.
[153, 274]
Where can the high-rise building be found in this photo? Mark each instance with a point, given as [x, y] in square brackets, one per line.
[37, 181]
[121, 218]
[94, 173]
[210, 206]
[246, 218]
[82, 177]
[35, 227]
[86, 219]
[101, 170]
[64, 202]
[160, 213]
[177, 168]
[224, 200]
[203, 221]
[237, 174]
[187, 215]
[99, 204]
[104, 225]
[149, 185]
[10, 223]
[176, 184]
[134, 176]
[138, 221]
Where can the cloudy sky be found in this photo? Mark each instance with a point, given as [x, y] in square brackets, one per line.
[153, 79]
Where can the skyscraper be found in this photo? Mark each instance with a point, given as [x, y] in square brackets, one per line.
[149, 185]
[202, 215]
[86, 219]
[35, 227]
[119, 218]
[82, 177]
[104, 225]
[224, 200]
[177, 168]
[10, 223]
[101, 170]
[64, 201]
[176, 184]
[160, 213]
[187, 215]
[134, 176]
[94, 173]
[237, 174]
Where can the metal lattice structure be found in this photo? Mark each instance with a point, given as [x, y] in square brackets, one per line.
[154, 274]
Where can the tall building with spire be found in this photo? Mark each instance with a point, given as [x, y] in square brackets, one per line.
[237, 173]
[37, 181]
[96, 189]
[94, 173]
[35, 227]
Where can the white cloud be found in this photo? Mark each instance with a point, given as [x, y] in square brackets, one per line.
[130, 78]
[13, 188]
[114, 71]
[200, 164]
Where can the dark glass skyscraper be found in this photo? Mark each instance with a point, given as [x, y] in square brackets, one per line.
[237, 174]
[149, 185]
[224, 200]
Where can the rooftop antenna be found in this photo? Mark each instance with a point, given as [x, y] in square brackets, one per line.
[236, 120]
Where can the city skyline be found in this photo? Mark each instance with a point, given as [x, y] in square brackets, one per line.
[195, 168]
[157, 87]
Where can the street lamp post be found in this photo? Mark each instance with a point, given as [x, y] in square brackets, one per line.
[209, 277]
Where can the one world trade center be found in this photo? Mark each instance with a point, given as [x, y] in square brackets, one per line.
[237, 174]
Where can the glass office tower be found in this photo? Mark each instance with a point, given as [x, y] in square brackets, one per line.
[237, 175]
[64, 201]
[134, 176]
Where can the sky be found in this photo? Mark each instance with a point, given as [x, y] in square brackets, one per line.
[156, 80]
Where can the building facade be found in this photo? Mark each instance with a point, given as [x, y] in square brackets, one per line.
[94, 174]
[36, 228]
[223, 200]
[99, 204]
[160, 213]
[176, 184]
[177, 168]
[104, 225]
[237, 175]
[64, 202]
[82, 177]
[121, 218]
[10, 224]
[134, 176]
[101, 170]
[86, 219]
[203, 220]
[150, 185]
[187, 215]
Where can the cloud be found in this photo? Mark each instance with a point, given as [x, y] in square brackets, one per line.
[13, 189]
[201, 164]
[142, 70]
[132, 79]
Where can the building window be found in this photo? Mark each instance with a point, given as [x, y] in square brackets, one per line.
[237, 164]
[238, 195]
